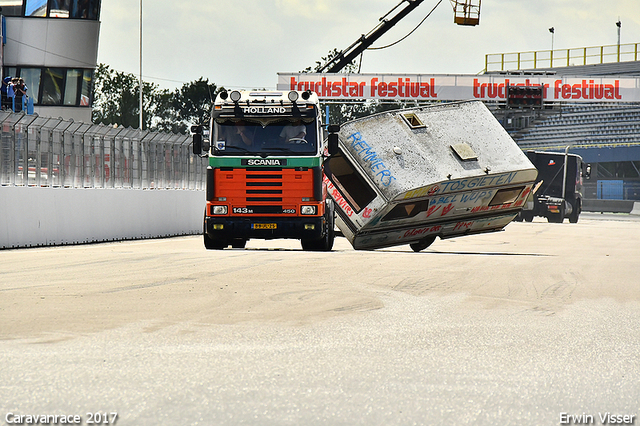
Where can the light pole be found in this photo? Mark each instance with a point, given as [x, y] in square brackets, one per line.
[618, 24]
[140, 66]
[552, 30]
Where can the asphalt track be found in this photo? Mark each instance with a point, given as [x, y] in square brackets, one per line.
[531, 326]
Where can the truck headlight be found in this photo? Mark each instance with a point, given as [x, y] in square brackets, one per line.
[219, 210]
[308, 209]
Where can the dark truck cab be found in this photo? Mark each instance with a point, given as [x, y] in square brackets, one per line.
[557, 192]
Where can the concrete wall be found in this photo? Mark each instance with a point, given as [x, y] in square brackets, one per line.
[36, 216]
[610, 206]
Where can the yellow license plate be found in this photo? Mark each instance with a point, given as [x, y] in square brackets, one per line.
[264, 225]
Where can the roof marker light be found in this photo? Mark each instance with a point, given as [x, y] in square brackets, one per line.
[235, 96]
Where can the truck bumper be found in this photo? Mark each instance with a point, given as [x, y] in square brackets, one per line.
[226, 228]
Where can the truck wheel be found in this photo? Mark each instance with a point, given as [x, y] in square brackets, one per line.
[527, 216]
[212, 244]
[326, 242]
[555, 218]
[422, 244]
[573, 217]
[238, 243]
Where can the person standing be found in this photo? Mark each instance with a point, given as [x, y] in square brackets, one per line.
[4, 89]
[20, 90]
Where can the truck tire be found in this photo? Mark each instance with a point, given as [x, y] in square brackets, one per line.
[527, 216]
[211, 243]
[423, 243]
[238, 243]
[326, 242]
[575, 214]
[555, 218]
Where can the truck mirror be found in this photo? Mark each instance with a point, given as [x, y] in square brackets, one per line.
[197, 143]
[333, 144]
[587, 171]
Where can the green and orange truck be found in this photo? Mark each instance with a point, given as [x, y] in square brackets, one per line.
[265, 175]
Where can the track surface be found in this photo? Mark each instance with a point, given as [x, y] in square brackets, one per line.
[519, 327]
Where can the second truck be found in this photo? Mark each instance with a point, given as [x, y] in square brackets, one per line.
[558, 188]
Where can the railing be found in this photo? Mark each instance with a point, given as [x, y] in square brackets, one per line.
[52, 152]
[561, 57]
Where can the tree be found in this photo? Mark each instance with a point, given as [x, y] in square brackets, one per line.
[188, 105]
[116, 99]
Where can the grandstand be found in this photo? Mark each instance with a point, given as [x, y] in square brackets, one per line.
[606, 135]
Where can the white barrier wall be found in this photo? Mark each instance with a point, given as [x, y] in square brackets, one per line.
[40, 216]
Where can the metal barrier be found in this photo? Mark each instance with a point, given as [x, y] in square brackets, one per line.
[562, 57]
[52, 152]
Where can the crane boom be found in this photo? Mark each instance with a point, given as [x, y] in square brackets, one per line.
[343, 58]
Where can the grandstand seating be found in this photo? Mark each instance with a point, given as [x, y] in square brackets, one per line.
[594, 125]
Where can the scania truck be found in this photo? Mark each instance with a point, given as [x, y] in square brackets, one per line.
[265, 175]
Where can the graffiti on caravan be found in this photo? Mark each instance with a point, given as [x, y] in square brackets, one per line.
[375, 163]
[462, 185]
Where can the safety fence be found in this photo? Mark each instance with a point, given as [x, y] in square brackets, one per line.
[562, 57]
[52, 152]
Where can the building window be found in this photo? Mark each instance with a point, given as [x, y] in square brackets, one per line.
[56, 86]
[31, 77]
[72, 86]
[85, 9]
[60, 8]
[36, 8]
[11, 7]
[85, 95]
[52, 86]
[75, 9]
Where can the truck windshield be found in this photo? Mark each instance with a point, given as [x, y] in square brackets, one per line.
[278, 137]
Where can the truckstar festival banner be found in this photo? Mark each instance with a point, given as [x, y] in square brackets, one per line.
[461, 87]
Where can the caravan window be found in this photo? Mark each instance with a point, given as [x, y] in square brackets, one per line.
[351, 185]
[407, 210]
[506, 196]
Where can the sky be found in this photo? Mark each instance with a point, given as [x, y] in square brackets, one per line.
[243, 44]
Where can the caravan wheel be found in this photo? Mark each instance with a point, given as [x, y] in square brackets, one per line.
[422, 244]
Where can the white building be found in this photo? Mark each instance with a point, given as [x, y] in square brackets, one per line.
[53, 46]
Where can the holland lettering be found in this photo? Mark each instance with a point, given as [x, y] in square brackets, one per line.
[263, 110]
